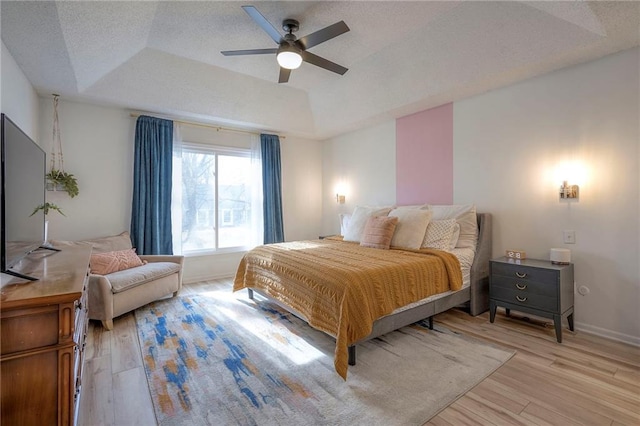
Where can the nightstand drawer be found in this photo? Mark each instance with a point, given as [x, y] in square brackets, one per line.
[549, 288]
[523, 298]
[524, 273]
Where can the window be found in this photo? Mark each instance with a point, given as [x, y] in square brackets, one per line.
[227, 217]
[216, 198]
[204, 218]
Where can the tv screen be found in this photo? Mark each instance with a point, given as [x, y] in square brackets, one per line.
[23, 190]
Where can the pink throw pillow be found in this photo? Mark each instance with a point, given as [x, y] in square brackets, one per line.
[114, 261]
[378, 232]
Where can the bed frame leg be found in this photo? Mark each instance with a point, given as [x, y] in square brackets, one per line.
[352, 355]
[250, 292]
[430, 323]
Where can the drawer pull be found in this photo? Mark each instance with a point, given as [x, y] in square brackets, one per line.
[521, 274]
[521, 299]
[521, 286]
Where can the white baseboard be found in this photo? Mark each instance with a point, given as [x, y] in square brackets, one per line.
[608, 334]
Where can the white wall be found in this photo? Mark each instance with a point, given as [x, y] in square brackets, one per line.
[18, 99]
[301, 188]
[508, 145]
[363, 162]
[98, 145]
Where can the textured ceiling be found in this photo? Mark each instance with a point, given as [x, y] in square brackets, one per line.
[403, 57]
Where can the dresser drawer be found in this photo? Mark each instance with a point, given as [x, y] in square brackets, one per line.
[77, 372]
[81, 319]
[524, 273]
[549, 288]
[524, 298]
[27, 329]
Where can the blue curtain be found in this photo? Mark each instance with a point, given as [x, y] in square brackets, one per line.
[272, 189]
[152, 167]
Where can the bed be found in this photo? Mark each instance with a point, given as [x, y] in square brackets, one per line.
[278, 273]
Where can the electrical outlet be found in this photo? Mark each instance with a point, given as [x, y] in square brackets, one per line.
[569, 237]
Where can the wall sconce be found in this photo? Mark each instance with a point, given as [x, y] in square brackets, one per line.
[340, 198]
[569, 192]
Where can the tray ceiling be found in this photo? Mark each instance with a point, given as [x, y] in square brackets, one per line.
[403, 57]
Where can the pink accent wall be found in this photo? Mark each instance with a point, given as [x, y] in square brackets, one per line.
[424, 157]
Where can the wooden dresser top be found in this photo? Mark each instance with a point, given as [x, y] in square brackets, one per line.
[61, 278]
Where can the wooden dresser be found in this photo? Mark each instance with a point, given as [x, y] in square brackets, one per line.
[43, 330]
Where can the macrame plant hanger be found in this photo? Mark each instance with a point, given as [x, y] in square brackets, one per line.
[57, 160]
[58, 179]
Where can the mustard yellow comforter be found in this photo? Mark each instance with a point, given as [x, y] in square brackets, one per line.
[341, 288]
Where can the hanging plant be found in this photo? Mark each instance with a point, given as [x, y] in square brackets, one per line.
[59, 179]
[64, 181]
[47, 207]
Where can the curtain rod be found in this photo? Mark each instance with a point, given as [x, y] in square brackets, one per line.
[210, 126]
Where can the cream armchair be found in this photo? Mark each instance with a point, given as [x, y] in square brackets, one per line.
[120, 292]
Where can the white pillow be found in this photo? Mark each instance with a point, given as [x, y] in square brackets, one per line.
[465, 214]
[411, 227]
[454, 237]
[359, 220]
[414, 207]
[344, 222]
[439, 234]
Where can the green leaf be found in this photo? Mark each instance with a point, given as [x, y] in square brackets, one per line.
[67, 181]
[46, 207]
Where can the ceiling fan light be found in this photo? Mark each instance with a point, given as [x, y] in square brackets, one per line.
[289, 59]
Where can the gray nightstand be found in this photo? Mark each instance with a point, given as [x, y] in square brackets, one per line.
[533, 286]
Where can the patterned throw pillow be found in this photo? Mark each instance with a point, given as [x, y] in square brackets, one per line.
[378, 232]
[465, 215]
[114, 261]
[439, 234]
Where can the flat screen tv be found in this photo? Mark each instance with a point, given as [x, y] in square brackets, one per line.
[23, 172]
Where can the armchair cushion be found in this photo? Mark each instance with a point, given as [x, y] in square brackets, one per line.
[130, 278]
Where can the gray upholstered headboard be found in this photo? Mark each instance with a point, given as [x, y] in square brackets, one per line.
[479, 302]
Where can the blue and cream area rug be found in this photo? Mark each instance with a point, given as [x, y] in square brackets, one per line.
[219, 358]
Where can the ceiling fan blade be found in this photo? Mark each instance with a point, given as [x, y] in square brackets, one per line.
[248, 52]
[284, 75]
[264, 24]
[323, 63]
[323, 35]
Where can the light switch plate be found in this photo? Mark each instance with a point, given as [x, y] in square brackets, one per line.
[569, 237]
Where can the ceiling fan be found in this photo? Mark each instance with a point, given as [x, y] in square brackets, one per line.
[291, 51]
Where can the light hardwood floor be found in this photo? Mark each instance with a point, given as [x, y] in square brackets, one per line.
[585, 380]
